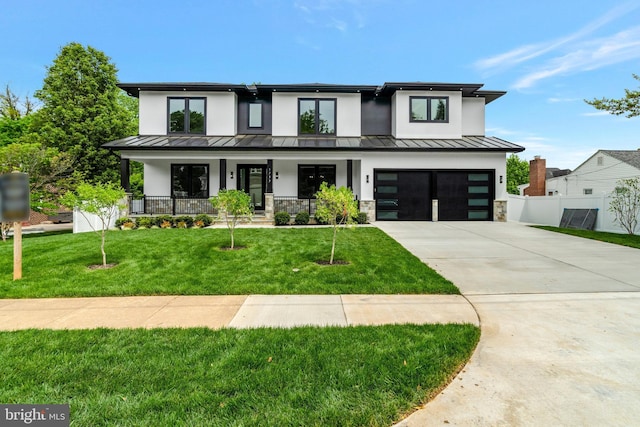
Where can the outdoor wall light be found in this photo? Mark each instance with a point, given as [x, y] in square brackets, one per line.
[500, 179]
[277, 175]
[231, 174]
[367, 179]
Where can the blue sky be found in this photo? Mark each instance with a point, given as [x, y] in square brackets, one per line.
[548, 55]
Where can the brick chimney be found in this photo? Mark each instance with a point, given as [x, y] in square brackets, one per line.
[537, 177]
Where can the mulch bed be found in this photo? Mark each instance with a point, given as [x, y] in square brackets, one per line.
[335, 262]
[101, 266]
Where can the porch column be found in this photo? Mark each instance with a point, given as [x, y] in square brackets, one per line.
[223, 174]
[269, 188]
[350, 174]
[124, 175]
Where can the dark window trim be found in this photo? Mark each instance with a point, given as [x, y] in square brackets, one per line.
[317, 114]
[261, 104]
[428, 99]
[191, 165]
[316, 166]
[187, 121]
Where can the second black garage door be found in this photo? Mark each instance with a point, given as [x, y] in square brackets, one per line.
[407, 195]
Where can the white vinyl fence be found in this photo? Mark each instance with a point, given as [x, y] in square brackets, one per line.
[547, 210]
[84, 222]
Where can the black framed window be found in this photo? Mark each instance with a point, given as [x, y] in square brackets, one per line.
[190, 180]
[187, 115]
[317, 116]
[255, 115]
[429, 109]
[310, 177]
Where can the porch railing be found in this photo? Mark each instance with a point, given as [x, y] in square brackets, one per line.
[292, 205]
[167, 205]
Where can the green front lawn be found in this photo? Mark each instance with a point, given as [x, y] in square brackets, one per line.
[190, 262]
[355, 376]
[632, 241]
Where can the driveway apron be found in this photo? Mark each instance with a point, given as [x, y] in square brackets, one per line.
[560, 319]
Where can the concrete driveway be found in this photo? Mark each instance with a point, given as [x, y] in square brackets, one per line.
[560, 320]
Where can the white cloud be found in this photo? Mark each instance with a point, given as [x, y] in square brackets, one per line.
[589, 55]
[597, 113]
[338, 25]
[560, 100]
[572, 53]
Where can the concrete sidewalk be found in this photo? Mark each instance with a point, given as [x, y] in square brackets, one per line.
[233, 311]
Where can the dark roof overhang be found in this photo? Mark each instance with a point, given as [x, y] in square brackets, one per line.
[469, 90]
[286, 143]
[317, 88]
[133, 89]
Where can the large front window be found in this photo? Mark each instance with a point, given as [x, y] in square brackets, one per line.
[429, 109]
[187, 115]
[317, 116]
[190, 181]
[310, 177]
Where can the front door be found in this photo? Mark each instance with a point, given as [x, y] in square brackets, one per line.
[252, 180]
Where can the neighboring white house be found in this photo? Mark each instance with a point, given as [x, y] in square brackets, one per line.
[598, 174]
[409, 151]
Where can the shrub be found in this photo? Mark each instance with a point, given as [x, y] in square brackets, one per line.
[162, 220]
[302, 218]
[282, 218]
[144, 222]
[361, 218]
[121, 221]
[202, 220]
[183, 221]
[320, 220]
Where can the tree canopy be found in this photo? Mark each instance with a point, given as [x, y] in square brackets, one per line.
[629, 105]
[517, 173]
[82, 109]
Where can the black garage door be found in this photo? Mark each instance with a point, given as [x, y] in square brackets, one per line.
[407, 195]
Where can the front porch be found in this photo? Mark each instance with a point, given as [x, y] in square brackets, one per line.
[168, 205]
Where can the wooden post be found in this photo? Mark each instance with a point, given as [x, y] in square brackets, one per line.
[17, 250]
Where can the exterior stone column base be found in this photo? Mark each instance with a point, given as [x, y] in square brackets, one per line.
[434, 210]
[268, 205]
[500, 210]
[368, 207]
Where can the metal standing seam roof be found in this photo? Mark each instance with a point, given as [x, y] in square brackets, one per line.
[268, 142]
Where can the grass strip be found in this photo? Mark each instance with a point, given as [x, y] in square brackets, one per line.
[309, 376]
[191, 262]
[632, 241]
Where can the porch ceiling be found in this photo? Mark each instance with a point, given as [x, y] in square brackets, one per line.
[283, 143]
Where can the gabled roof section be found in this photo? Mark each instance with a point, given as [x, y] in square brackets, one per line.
[631, 157]
[286, 143]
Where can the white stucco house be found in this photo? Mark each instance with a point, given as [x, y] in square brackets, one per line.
[409, 151]
[598, 174]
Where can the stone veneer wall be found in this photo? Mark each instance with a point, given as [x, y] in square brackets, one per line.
[368, 207]
[500, 210]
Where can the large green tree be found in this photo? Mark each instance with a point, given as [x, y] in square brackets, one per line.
[517, 173]
[81, 110]
[629, 105]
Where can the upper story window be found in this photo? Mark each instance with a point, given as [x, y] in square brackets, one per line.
[317, 116]
[600, 160]
[187, 115]
[255, 115]
[429, 109]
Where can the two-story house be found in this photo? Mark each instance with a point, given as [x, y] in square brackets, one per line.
[409, 151]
